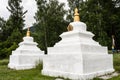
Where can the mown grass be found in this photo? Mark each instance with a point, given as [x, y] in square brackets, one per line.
[35, 74]
[116, 61]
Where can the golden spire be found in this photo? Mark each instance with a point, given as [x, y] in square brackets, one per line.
[28, 32]
[76, 15]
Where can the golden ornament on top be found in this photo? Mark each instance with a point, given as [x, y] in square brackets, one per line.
[28, 32]
[76, 15]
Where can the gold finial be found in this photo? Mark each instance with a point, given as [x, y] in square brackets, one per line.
[28, 32]
[76, 15]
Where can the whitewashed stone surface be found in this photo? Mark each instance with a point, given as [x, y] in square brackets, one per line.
[26, 56]
[77, 56]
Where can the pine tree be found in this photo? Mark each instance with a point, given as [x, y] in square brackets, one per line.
[16, 20]
[111, 15]
[12, 32]
[95, 22]
[2, 28]
[50, 22]
[96, 14]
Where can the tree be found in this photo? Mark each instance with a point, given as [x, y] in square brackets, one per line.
[95, 22]
[100, 17]
[16, 20]
[2, 27]
[12, 32]
[50, 22]
[111, 11]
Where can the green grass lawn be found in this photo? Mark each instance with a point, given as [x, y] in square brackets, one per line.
[8, 74]
[35, 74]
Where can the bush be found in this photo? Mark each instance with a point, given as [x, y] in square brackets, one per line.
[6, 49]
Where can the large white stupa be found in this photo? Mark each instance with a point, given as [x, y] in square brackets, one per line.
[27, 55]
[77, 56]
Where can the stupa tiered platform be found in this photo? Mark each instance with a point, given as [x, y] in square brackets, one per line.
[26, 56]
[77, 56]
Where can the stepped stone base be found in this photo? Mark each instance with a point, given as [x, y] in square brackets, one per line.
[77, 67]
[26, 56]
[77, 56]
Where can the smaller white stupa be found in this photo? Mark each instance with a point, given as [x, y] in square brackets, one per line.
[27, 55]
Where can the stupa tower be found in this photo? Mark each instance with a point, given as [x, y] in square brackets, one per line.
[77, 56]
[26, 55]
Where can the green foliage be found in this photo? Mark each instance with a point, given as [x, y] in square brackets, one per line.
[50, 22]
[15, 23]
[101, 18]
[16, 36]
[11, 33]
[97, 79]
[95, 22]
[6, 49]
[17, 15]
[2, 26]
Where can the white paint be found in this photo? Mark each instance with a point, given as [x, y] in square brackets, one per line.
[77, 56]
[26, 56]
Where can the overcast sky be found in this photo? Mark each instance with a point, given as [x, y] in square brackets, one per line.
[29, 5]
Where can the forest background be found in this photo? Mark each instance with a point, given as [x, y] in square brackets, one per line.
[101, 16]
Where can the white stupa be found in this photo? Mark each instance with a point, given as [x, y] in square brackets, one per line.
[27, 55]
[77, 56]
